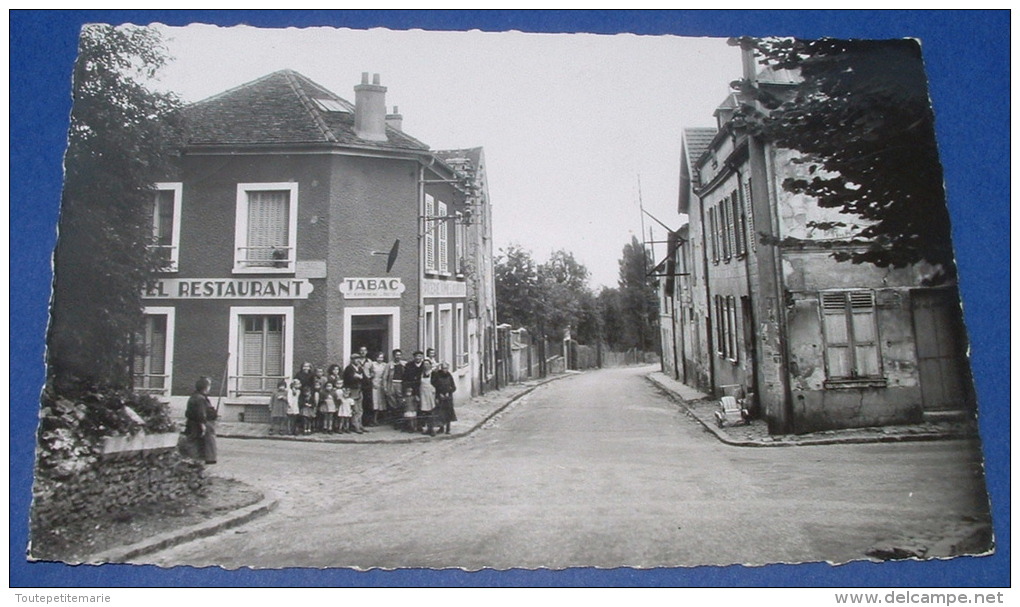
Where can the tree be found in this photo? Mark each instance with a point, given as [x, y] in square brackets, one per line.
[861, 118]
[548, 298]
[633, 308]
[121, 140]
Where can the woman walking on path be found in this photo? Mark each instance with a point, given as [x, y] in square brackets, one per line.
[428, 400]
[200, 421]
[445, 386]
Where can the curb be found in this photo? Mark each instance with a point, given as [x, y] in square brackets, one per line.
[804, 442]
[410, 439]
[186, 534]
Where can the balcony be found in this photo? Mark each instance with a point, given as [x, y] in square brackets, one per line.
[264, 259]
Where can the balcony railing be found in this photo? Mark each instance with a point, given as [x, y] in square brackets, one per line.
[167, 254]
[265, 257]
[253, 385]
[151, 383]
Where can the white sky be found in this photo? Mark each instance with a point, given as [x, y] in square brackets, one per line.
[568, 121]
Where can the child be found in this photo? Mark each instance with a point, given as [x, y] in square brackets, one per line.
[278, 409]
[344, 408]
[327, 409]
[309, 403]
[293, 406]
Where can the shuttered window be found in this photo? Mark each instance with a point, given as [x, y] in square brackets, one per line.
[726, 227]
[150, 361]
[268, 219]
[260, 352]
[851, 335]
[166, 202]
[265, 227]
[714, 234]
[443, 250]
[430, 234]
[739, 224]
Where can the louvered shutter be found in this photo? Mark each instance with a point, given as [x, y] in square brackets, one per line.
[268, 219]
[714, 236]
[865, 334]
[274, 349]
[727, 228]
[837, 335]
[739, 225]
[430, 234]
[444, 261]
[251, 352]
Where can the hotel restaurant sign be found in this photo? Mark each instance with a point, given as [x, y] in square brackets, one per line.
[229, 288]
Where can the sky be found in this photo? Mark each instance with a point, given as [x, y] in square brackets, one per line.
[578, 129]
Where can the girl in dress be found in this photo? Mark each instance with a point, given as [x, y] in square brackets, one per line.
[344, 408]
[327, 408]
[428, 400]
[379, 372]
[293, 406]
[309, 403]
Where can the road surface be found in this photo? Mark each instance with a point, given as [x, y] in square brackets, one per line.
[599, 469]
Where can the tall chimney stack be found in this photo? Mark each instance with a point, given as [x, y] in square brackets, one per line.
[370, 109]
[395, 120]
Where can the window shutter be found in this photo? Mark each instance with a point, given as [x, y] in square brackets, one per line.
[837, 335]
[739, 225]
[727, 228]
[444, 258]
[268, 219]
[714, 235]
[430, 234]
[862, 307]
[274, 348]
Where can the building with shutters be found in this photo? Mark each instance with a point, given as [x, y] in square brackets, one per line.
[299, 227]
[761, 308]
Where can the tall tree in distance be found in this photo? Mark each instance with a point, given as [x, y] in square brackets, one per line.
[631, 310]
[861, 117]
[549, 298]
[121, 139]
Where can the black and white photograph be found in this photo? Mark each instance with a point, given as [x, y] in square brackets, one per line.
[376, 299]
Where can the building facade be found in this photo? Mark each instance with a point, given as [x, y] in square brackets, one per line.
[301, 227]
[763, 309]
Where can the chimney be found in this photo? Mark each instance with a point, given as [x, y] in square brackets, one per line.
[370, 109]
[395, 120]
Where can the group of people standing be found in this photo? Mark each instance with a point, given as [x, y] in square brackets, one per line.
[413, 395]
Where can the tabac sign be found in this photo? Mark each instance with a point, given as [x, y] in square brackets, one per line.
[229, 288]
[372, 288]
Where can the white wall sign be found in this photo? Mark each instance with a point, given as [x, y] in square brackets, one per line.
[229, 288]
[372, 288]
[444, 288]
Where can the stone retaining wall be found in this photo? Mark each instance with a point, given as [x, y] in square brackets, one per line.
[130, 473]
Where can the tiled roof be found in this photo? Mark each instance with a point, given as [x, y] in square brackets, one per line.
[473, 155]
[281, 108]
[698, 140]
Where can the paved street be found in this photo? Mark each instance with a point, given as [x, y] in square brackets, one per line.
[598, 469]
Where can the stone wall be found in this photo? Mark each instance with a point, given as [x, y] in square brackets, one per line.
[119, 480]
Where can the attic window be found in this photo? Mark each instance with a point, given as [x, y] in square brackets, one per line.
[329, 105]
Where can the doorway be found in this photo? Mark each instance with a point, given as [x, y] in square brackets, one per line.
[371, 331]
[944, 373]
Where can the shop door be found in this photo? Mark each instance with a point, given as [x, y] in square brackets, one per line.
[941, 361]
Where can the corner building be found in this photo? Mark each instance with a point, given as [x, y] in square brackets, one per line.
[300, 227]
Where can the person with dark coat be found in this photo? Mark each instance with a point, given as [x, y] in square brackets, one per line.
[354, 377]
[200, 421]
[412, 390]
[443, 382]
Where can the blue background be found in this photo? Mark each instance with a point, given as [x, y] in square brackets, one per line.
[967, 58]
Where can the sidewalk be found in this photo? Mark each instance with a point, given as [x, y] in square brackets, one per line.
[702, 408]
[470, 416]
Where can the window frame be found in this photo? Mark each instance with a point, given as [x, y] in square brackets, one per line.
[855, 379]
[177, 188]
[443, 240]
[241, 227]
[234, 333]
[170, 313]
[430, 228]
